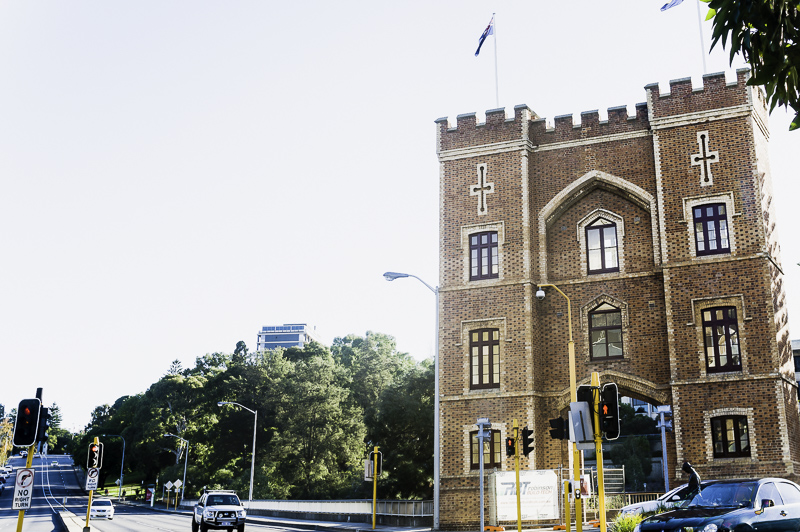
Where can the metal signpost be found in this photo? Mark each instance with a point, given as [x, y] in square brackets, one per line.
[482, 423]
[94, 461]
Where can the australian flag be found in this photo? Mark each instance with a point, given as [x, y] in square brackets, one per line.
[488, 31]
[671, 3]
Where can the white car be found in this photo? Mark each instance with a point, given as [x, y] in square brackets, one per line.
[102, 507]
[668, 500]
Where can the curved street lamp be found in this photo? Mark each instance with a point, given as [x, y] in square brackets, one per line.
[391, 276]
[185, 463]
[252, 460]
[122, 464]
[573, 393]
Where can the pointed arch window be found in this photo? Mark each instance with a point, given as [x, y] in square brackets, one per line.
[605, 331]
[601, 246]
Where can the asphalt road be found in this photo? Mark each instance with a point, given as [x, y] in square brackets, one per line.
[55, 487]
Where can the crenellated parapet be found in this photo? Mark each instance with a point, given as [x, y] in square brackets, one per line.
[564, 129]
[469, 132]
[683, 99]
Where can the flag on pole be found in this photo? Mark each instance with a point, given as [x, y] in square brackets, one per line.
[671, 3]
[489, 31]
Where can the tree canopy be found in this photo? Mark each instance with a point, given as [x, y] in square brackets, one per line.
[767, 34]
[319, 411]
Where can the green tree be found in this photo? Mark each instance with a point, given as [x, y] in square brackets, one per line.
[404, 431]
[767, 34]
[635, 455]
[320, 431]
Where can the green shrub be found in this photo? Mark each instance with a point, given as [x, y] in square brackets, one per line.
[625, 522]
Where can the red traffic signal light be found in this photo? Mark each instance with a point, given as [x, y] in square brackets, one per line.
[95, 457]
[27, 422]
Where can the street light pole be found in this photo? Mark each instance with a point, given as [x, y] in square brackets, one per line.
[185, 463]
[121, 465]
[573, 393]
[253, 459]
[391, 276]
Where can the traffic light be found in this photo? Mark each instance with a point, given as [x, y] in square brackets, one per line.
[95, 458]
[527, 441]
[44, 424]
[609, 411]
[27, 422]
[511, 447]
[559, 429]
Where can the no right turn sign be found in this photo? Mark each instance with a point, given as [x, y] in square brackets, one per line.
[23, 489]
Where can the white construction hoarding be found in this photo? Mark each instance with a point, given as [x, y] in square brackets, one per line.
[539, 496]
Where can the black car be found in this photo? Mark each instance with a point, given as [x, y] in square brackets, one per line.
[744, 505]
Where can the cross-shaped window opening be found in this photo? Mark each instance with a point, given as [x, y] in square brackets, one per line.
[483, 249]
[601, 246]
[721, 334]
[711, 229]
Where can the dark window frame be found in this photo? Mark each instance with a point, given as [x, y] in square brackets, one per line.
[711, 228]
[484, 256]
[480, 350]
[714, 327]
[720, 440]
[605, 330]
[495, 447]
[591, 267]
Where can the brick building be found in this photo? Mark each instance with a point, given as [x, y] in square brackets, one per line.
[659, 227]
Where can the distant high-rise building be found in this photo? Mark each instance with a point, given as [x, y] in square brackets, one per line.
[287, 335]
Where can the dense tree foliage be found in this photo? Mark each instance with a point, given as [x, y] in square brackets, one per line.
[319, 411]
[767, 34]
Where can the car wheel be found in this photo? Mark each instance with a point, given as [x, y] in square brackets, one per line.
[195, 527]
[203, 527]
[240, 528]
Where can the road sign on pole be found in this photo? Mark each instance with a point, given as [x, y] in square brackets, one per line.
[91, 478]
[23, 489]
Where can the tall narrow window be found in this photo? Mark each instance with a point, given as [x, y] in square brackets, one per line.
[711, 229]
[601, 246]
[721, 333]
[605, 330]
[730, 436]
[483, 255]
[484, 348]
[491, 450]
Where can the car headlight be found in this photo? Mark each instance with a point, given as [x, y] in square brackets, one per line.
[208, 514]
[711, 527]
[241, 513]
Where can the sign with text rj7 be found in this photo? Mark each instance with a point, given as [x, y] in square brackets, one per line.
[539, 495]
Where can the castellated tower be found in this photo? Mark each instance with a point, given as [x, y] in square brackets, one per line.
[659, 228]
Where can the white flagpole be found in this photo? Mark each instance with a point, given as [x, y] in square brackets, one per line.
[702, 43]
[496, 85]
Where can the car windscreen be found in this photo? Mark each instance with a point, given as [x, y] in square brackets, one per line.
[102, 503]
[727, 494]
[219, 500]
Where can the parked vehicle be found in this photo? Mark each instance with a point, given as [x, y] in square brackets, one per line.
[666, 501]
[218, 509]
[102, 507]
[763, 505]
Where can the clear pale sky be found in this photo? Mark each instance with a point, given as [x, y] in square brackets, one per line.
[176, 174]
